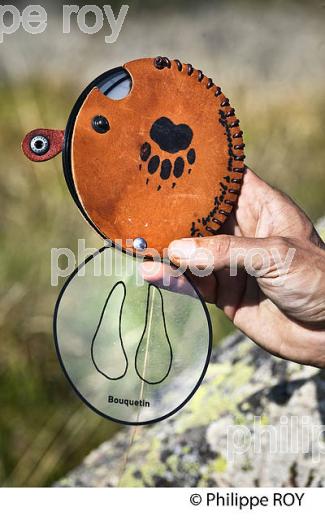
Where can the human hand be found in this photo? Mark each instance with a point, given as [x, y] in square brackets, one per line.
[281, 307]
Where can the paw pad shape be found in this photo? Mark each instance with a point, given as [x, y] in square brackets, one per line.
[171, 139]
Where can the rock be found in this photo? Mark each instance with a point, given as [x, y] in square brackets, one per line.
[196, 446]
[256, 420]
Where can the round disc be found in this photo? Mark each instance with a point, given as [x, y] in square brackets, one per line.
[133, 351]
[160, 162]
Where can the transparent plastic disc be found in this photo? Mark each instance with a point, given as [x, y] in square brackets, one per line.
[134, 351]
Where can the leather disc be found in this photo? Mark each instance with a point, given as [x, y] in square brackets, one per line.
[168, 165]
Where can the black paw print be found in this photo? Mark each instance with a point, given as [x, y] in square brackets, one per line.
[172, 139]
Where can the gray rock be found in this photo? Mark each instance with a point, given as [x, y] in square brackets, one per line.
[196, 447]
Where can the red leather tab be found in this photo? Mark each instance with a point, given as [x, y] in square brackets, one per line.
[53, 138]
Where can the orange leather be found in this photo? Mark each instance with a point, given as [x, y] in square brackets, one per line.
[112, 181]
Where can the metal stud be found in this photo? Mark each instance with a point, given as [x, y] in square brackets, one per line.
[39, 144]
[100, 124]
[139, 243]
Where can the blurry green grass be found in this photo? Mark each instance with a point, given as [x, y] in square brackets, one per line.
[44, 429]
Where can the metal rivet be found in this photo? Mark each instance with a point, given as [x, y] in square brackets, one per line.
[39, 144]
[139, 243]
[100, 124]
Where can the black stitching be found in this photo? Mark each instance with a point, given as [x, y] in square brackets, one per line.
[225, 103]
[159, 63]
[162, 62]
[211, 230]
[200, 75]
[190, 69]
[230, 113]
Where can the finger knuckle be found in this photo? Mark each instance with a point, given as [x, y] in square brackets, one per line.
[281, 244]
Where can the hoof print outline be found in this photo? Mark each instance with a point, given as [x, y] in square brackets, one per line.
[153, 370]
[99, 344]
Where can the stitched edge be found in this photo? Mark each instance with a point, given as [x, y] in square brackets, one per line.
[236, 165]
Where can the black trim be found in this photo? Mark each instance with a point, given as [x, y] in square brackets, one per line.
[106, 92]
[72, 384]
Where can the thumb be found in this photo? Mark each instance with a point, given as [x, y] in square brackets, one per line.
[225, 251]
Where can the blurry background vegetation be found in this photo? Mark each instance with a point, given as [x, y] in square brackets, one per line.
[269, 59]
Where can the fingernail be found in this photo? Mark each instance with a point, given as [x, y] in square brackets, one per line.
[182, 248]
